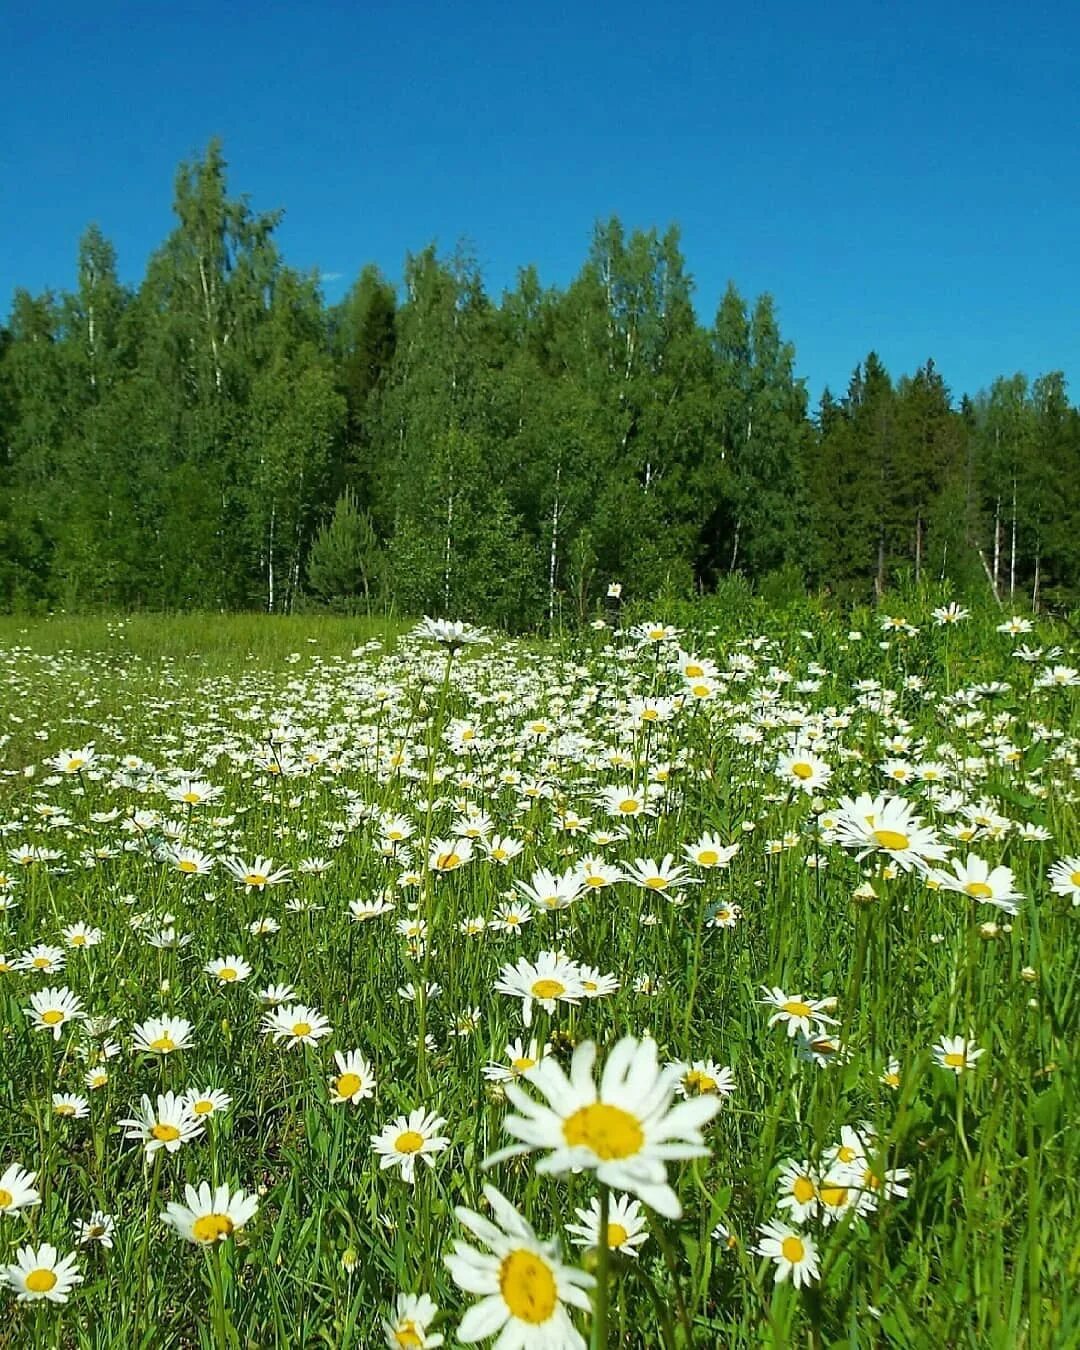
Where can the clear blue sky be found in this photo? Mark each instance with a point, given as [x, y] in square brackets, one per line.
[901, 177]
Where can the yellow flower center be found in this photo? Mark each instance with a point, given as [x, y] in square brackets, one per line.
[693, 672]
[192, 798]
[846, 1153]
[448, 861]
[64, 1109]
[412, 1141]
[165, 1133]
[42, 962]
[708, 857]
[498, 854]
[629, 806]
[891, 839]
[256, 878]
[891, 1080]
[954, 1060]
[616, 1235]
[803, 770]
[595, 881]
[657, 883]
[407, 1335]
[796, 1008]
[833, 1195]
[608, 1131]
[978, 890]
[73, 766]
[523, 1064]
[186, 865]
[78, 940]
[803, 1190]
[348, 1084]
[212, 1227]
[700, 690]
[528, 1287]
[1074, 877]
[41, 1281]
[696, 1078]
[301, 1029]
[227, 973]
[163, 1045]
[548, 988]
[792, 1249]
[649, 715]
[5, 1199]
[53, 1017]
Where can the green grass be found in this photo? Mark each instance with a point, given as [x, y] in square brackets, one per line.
[980, 1252]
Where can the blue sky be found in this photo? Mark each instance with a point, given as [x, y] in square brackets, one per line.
[902, 177]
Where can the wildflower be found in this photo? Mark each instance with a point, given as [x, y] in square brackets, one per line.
[552, 979]
[976, 879]
[956, 1053]
[259, 874]
[210, 1216]
[43, 959]
[409, 1325]
[354, 1080]
[205, 1103]
[793, 1252]
[162, 1035]
[228, 969]
[807, 1015]
[525, 1286]
[52, 1009]
[625, 1132]
[710, 851]
[169, 1124]
[408, 1138]
[703, 1077]
[1064, 878]
[41, 1274]
[297, 1025]
[70, 1106]
[99, 1229]
[17, 1189]
[626, 1230]
[887, 824]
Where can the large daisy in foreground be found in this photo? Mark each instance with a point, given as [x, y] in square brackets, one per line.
[625, 1132]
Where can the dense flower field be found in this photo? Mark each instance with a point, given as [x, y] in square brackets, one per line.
[660, 988]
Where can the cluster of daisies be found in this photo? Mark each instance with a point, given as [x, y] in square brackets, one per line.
[503, 810]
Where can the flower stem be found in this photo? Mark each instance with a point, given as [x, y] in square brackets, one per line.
[599, 1338]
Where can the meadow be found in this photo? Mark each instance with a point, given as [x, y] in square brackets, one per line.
[707, 980]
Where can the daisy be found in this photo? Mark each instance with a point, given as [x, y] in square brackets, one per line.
[259, 874]
[408, 1326]
[193, 792]
[168, 1125]
[552, 979]
[710, 851]
[354, 1080]
[794, 1253]
[98, 1228]
[274, 994]
[362, 910]
[547, 891]
[52, 1009]
[17, 1189]
[69, 1106]
[190, 862]
[957, 1054]
[297, 1025]
[624, 802]
[975, 879]
[408, 1138]
[803, 771]
[43, 959]
[208, 1102]
[594, 874]
[162, 1035]
[798, 1187]
[625, 1228]
[522, 1061]
[81, 935]
[703, 1077]
[228, 969]
[523, 1285]
[888, 825]
[73, 761]
[447, 855]
[596, 985]
[1064, 878]
[210, 1216]
[658, 876]
[798, 1013]
[41, 1274]
[625, 1131]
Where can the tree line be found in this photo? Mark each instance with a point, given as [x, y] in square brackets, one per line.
[220, 437]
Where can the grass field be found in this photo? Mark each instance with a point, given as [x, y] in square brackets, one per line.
[359, 898]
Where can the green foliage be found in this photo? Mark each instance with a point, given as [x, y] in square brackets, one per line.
[185, 442]
[345, 563]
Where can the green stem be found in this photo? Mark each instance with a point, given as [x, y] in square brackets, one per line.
[599, 1338]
